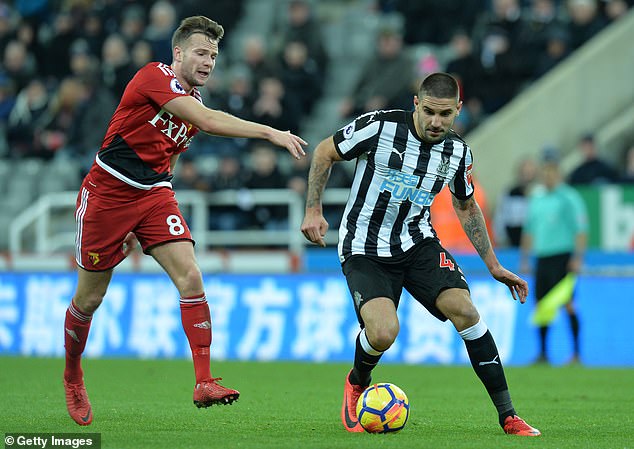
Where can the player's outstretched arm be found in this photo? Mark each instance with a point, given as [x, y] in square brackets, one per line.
[315, 225]
[472, 221]
[220, 123]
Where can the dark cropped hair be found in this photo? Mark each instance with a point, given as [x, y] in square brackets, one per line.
[197, 24]
[439, 85]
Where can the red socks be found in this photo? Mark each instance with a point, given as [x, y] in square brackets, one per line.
[196, 321]
[76, 327]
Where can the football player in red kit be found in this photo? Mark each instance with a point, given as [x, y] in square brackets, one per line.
[127, 196]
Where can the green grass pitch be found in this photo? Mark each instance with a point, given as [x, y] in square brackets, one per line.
[148, 404]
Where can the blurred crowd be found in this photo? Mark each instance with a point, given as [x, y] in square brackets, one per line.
[497, 48]
[65, 64]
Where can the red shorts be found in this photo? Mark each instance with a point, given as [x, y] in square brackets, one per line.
[107, 209]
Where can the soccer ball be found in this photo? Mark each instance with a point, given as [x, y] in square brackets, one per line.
[383, 408]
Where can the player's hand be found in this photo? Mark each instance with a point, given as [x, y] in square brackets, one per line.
[130, 242]
[314, 228]
[289, 141]
[517, 285]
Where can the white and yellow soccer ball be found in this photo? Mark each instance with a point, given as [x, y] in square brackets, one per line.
[383, 408]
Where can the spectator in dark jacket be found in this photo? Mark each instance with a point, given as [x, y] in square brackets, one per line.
[592, 170]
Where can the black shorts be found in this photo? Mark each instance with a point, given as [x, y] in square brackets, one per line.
[549, 271]
[425, 271]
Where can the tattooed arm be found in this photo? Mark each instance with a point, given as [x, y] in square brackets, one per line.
[472, 221]
[315, 225]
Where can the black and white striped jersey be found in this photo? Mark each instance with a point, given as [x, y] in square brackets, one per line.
[396, 179]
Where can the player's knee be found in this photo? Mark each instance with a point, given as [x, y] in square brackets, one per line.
[88, 303]
[465, 316]
[462, 314]
[189, 280]
[456, 305]
[383, 336]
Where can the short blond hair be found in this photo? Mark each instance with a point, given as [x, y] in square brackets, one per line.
[197, 24]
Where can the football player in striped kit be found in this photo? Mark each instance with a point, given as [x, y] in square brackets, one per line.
[387, 243]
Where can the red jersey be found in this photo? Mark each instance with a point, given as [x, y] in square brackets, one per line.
[142, 136]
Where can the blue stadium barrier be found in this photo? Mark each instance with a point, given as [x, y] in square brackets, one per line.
[322, 260]
[298, 317]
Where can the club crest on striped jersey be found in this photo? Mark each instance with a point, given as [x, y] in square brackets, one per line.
[443, 167]
[176, 86]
